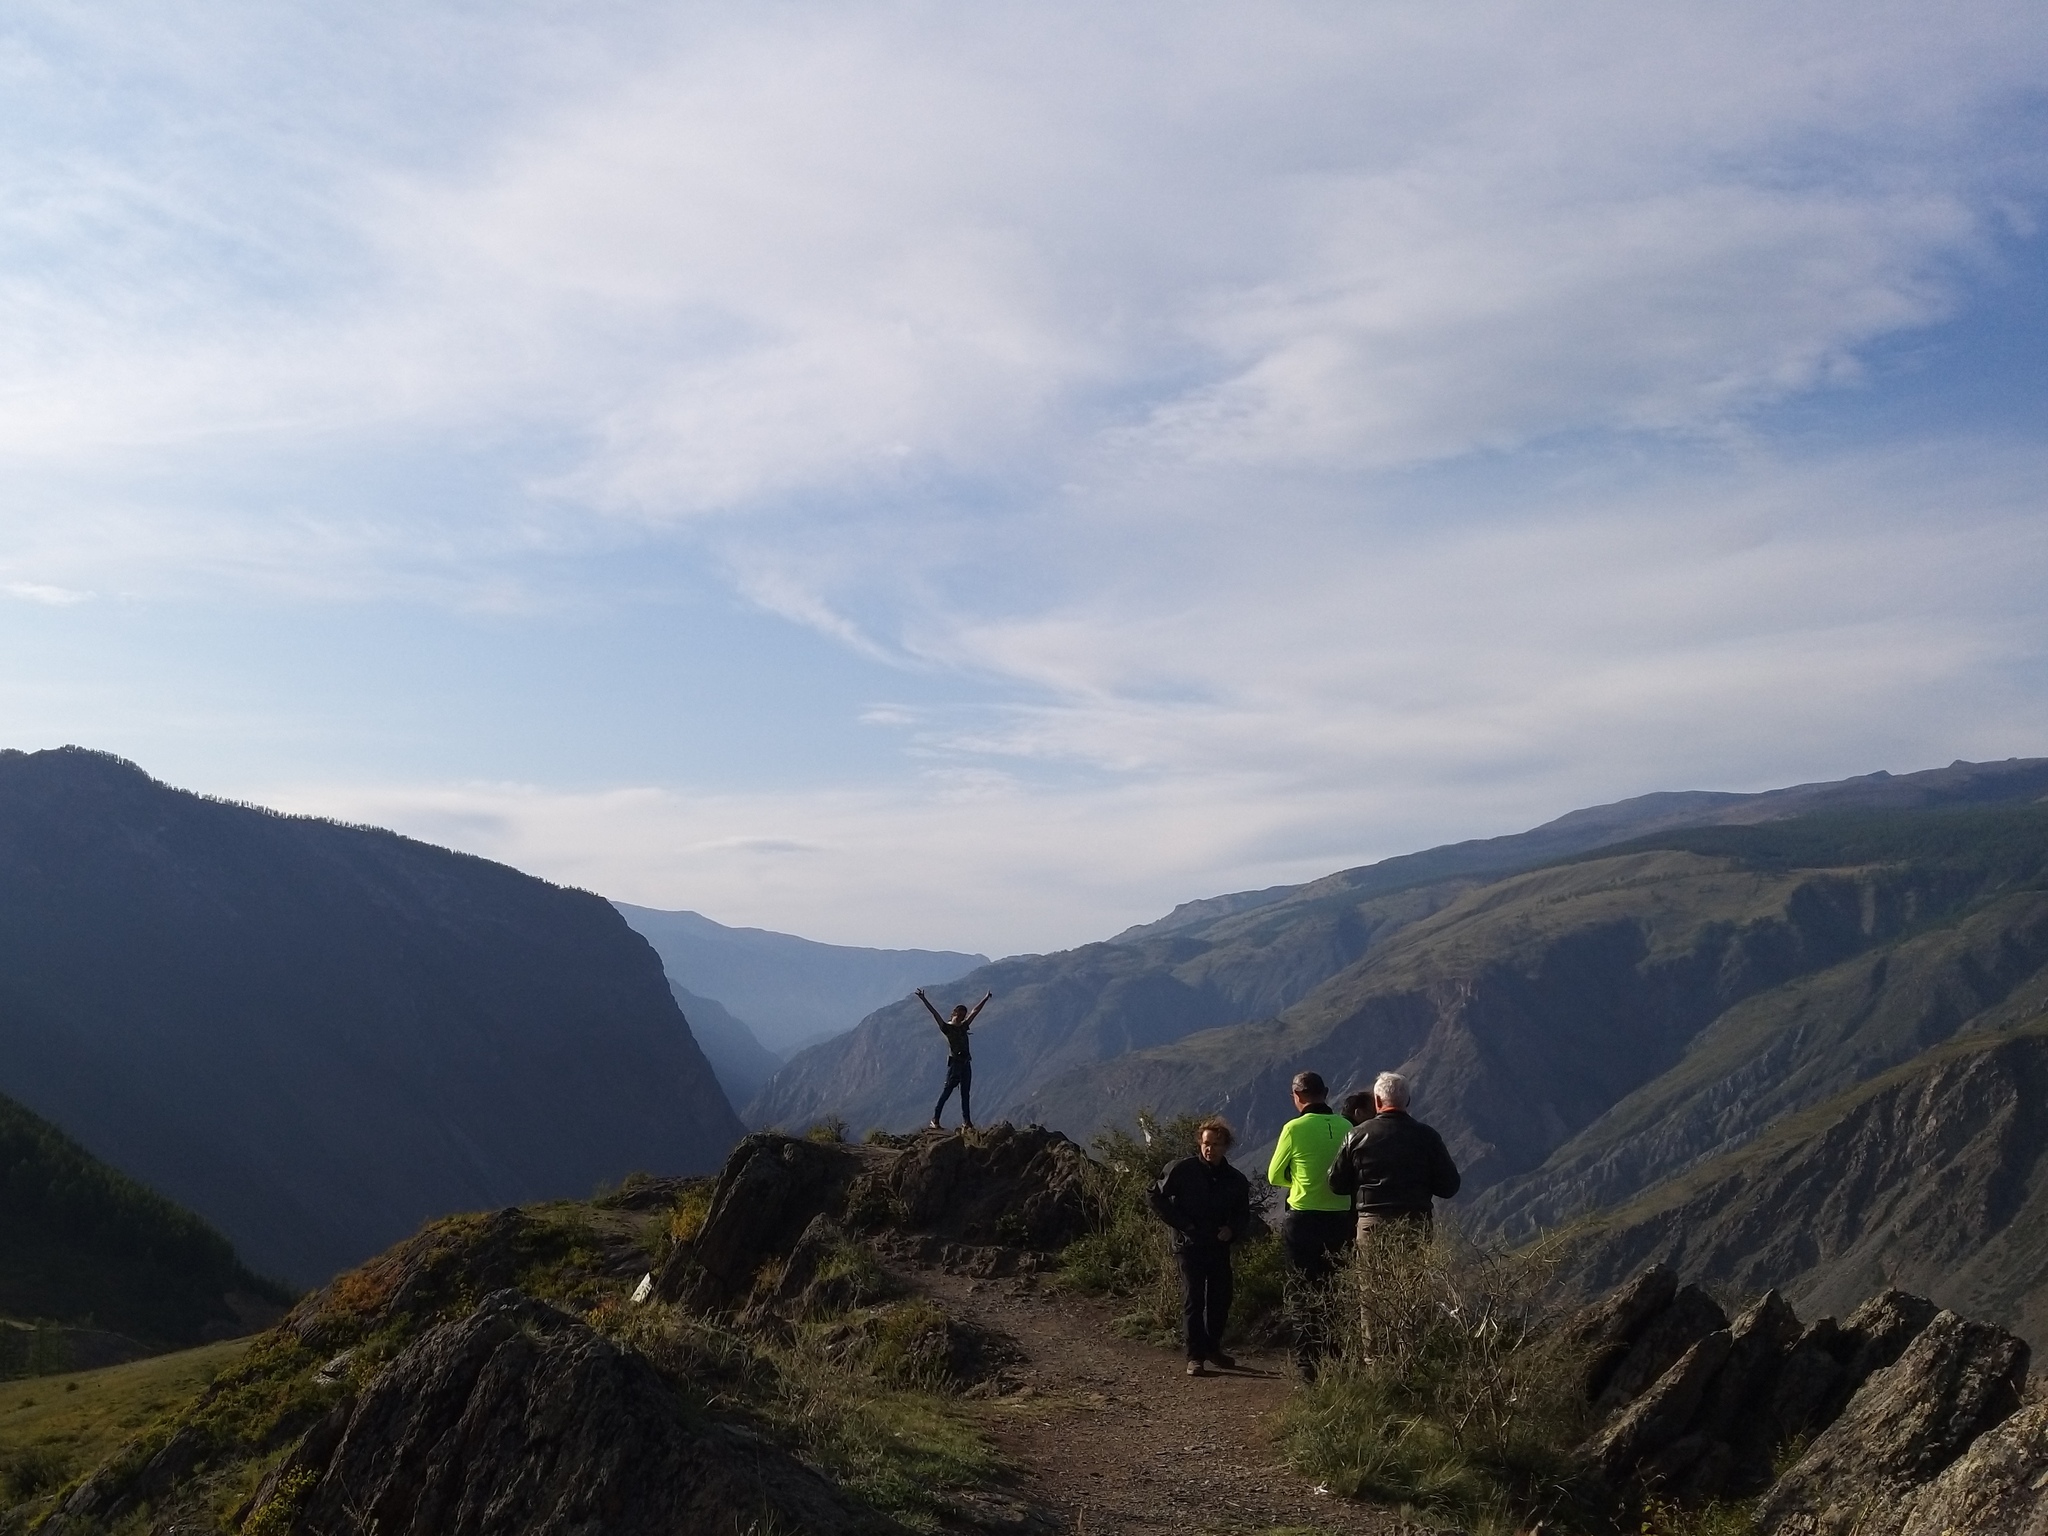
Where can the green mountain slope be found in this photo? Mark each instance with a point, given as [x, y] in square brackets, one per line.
[1536, 1012]
[1061, 1018]
[82, 1243]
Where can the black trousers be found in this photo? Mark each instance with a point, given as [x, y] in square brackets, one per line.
[1315, 1243]
[959, 1074]
[1204, 1296]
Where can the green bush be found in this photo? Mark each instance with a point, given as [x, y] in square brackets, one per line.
[1450, 1391]
[33, 1471]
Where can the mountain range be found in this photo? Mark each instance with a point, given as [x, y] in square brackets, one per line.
[1607, 1017]
[317, 1036]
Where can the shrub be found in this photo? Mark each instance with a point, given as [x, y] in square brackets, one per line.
[831, 1131]
[33, 1471]
[1450, 1390]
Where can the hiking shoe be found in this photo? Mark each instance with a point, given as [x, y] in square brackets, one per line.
[1222, 1362]
[1196, 1368]
[935, 1126]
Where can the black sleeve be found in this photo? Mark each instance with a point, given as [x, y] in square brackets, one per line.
[1160, 1198]
[1240, 1210]
[1443, 1173]
[1342, 1176]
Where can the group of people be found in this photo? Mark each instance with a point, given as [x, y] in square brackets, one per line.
[1353, 1177]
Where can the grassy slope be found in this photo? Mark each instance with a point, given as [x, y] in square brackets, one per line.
[84, 1242]
[54, 1427]
[867, 1419]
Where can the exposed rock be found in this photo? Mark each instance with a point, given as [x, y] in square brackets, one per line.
[1998, 1487]
[825, 1272]
[767, 1193]
[1733, 1413]
[1691, 1316]
[1660, 1417]
[519, 1418]
[1809, 1386]
[1024, 1186]
[1903, 1427]
[1877, 1333]
[1604, 1330]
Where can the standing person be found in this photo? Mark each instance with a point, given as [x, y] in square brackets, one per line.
[959, 1062]
[1394, 1165]
[1317, 1227]
[1208, 1204]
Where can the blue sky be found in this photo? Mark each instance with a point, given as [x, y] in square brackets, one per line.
[976, 477]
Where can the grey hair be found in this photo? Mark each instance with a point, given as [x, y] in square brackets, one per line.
[1391, 1088]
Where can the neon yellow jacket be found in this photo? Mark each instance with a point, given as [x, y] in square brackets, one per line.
[1301, 1161]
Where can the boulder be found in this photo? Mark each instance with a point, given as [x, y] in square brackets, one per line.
[1659, 1418]
[1020, 1186]
[767, 1193]
[1602, 1332]
[1808, 1389]
[1998, 1487]
[519, 1418]
[1733, 1412]
[1877, 1333]
[1691, 1316]
[1904, 1426]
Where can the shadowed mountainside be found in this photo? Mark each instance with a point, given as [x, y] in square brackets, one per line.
[85, 1244]
[316, 1036]
[1041, 1050]
[743, 1064]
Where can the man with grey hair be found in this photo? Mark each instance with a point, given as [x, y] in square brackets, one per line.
[1394, 1165]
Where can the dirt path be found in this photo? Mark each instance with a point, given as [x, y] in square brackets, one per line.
[1115, 1438]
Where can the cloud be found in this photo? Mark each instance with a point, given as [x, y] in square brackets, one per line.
[48, 596]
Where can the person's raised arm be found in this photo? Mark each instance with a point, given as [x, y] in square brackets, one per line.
[977, 1007]
[937, 1017]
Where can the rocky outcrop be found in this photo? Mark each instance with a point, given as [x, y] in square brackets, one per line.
[1998, 1487]
[1023, 1186]
[519, 1418]
[1005, 1191]
[1887, 1398]
[1902, 1429]
[769, 1190]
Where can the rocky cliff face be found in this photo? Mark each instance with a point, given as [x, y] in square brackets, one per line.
[1933, 1176]
[317, 1036]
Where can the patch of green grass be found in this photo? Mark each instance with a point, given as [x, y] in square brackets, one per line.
[55, 1428]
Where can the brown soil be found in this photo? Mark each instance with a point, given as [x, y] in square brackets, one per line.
[1112, 1436]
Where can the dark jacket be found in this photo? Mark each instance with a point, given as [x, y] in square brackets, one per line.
[1196, 1198]
[1394, 1163]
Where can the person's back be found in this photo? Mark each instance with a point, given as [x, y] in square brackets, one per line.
[1301, 1158]
[1393, 1164]
[1317, 1227]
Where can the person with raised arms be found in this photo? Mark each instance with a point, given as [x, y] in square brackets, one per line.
[959, 1061]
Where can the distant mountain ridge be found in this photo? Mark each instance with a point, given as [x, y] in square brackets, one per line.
[787, 991]
[318, 1036]
[1230, 960]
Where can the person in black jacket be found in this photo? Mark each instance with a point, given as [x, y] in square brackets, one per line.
[1393, 1165]
[1208, 1204]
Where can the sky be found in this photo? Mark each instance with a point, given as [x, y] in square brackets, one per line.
[976, 477]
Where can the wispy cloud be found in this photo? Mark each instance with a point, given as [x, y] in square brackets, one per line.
[1238, 438]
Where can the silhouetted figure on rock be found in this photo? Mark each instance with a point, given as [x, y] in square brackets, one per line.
[959, 1062]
